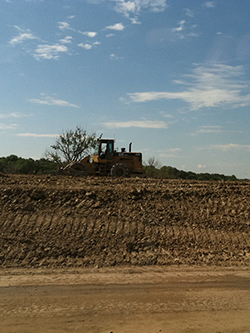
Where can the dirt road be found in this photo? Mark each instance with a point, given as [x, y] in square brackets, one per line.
[131, 300]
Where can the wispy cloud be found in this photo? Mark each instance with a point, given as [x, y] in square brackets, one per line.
[228, 147]
[136, 123]
[66, 40]
[174, 150]
[117, 26]
[215, 86]
[189, 12]
[42, 51]
[88, 46]
[179, 30]
[128, 8]
[5, 126]
[201, 166]
[212, 130]
[22, 36]
[35, 135]
[209, 4]
[185, 29]
[64, 26]
[45, 51]
[14, 115]
[209, 129]
[115, 57]
[166, 115]
[180, 26]
[90, 34]
[48, 100]
[85, 46]
[169, 153]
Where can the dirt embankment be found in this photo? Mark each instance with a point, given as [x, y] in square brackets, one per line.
[61, 221]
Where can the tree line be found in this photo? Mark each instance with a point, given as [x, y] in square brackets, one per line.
[18, 165]
[168, 172]
[76, 144]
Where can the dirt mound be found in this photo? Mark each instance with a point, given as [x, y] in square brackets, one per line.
[62, 221]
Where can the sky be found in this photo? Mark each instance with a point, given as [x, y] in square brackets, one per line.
[170, 76]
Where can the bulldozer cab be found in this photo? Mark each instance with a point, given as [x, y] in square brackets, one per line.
[104, 150]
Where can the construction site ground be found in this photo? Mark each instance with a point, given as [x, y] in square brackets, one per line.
[123, 255]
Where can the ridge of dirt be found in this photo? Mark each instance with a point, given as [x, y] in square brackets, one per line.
[65, 221]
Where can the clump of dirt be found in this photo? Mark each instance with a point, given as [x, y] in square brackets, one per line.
[65, 221]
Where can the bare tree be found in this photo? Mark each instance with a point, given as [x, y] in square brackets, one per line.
[72, 145]
[152, 167]
[153, 162]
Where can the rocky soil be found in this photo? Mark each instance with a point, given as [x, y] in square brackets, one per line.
[65, 221]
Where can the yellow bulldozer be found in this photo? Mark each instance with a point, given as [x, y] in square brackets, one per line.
[107, 161]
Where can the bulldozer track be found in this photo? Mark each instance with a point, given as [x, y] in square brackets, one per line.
[58, 240]
[52, 221]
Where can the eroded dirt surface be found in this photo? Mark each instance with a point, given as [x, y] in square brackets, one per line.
[61, 221]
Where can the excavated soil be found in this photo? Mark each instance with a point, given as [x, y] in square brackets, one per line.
[65, 221]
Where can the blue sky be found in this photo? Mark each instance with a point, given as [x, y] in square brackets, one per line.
[171, 76]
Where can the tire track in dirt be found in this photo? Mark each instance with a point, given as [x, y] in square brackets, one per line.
[89, 222]
[46, 236]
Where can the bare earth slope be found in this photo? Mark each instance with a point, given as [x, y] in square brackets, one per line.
[61, 221]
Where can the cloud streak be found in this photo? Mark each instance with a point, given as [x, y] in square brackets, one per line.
[230, 147]
[66, 40]
[35, 135]
[4, 126]
[209, 129]
[169, 153]
[22, 36]
[48, 100]
[136, 123]
[117, 27]
[45, 51]
[14, 115]
[180, 26]
[215, 86]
